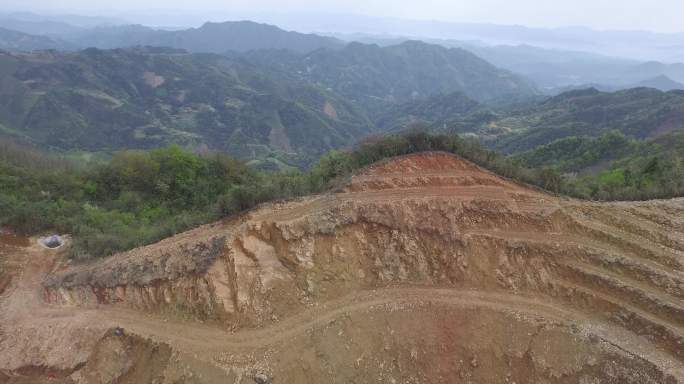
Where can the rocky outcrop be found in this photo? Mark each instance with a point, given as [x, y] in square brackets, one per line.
[429, 220]
[174, 278]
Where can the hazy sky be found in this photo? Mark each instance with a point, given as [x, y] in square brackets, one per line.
[655, 15]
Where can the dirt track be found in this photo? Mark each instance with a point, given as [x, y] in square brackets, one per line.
[608, 272]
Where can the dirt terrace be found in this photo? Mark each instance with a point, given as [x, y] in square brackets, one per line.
[424, 269]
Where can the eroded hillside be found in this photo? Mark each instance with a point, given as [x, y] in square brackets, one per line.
[424, 269]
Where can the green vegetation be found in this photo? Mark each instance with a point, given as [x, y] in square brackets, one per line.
[635, 178]
[137, 198]
[288, 106]
[613, 166]
[377, 77]
[573, 154]
[640, 113]
[626, 145]
[455, 110]
[144, 98]
[339, 165]
[143, 196]
[281, 109]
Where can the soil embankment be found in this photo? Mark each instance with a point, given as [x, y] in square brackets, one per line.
[424, 269]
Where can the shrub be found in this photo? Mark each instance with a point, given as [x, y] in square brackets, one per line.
[140, 197]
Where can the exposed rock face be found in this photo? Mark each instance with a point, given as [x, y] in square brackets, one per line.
[283, 258]
[176, 277]
[431, 221]
[124, 359]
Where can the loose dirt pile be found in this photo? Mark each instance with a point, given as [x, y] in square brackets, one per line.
[424, 269]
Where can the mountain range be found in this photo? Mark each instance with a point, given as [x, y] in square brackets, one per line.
[11, 40]
[635, 45]
[372, 75]
[284, 98]
[640, 113]
[553, 68]
[271, 102]
[98, 100]
[238, 36]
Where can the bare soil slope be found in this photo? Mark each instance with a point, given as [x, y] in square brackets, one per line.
[424, 269]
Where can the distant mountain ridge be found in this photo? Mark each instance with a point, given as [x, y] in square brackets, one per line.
[660, 82]
[260, 92]
[374, 76]
[639, 112]
[294, 106]
[51, 29]
[552, 70]
[635, 45]
[238, 36]
[18, 41]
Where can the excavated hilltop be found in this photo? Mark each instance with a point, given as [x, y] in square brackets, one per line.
[424, 269]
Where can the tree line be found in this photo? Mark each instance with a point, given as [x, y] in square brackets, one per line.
[140, 197]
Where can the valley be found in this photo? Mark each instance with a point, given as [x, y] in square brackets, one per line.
[284, 105]
[259, 106]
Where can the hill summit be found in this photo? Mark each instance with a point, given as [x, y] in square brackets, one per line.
[424, 268]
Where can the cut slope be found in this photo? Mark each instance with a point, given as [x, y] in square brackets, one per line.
[505, 282]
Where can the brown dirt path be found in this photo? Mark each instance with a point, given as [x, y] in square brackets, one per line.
[24, 306]
[35, 333]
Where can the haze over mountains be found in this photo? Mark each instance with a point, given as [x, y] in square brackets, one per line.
[19, 41]
[340, 199]
[142, 98]
[553, 59]
[247, 105]
[285, 97]
[639, 45]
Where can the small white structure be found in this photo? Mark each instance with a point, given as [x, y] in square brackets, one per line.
[51, 242]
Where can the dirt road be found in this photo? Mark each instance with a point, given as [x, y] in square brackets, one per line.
[417, 238]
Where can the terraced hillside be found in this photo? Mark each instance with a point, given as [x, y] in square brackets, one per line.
[423, 269]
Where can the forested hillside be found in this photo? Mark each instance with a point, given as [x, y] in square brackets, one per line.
[614, 166]
[97, 100]
[373, 75]
[622, 145]
[280, 99]
[142, 196]
[454, 111]
[273, 105]
[638, 112]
